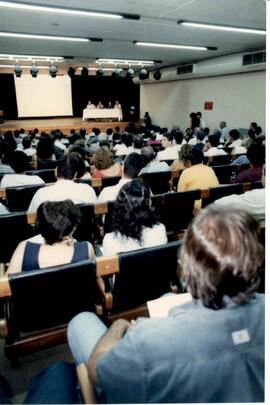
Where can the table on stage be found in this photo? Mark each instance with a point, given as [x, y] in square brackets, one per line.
[102, 113]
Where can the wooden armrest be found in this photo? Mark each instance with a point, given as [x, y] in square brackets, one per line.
[107, 265]
[3, 329]
[31, 218]
[86, 386]
[5, 290]
[2, 193]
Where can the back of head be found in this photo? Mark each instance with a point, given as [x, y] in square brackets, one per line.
[195, 156]
[133, 164]
[26, 142]
[137, 142]
[56, 220]
[184, 152]
[214, 140]
[132, 210]
[178, 136]
[200, 135]
[235, 134]
[19, 162]
[45, 147]
[127, 140]
[103, 158]
[69, 166]
[256, 154]
[220, 256]
[148, 154]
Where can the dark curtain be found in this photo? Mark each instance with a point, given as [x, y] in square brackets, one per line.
[8, 102]
[105, 89]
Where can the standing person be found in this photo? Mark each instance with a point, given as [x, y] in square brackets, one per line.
[210, 349]
[202, 124]
[147, 120]
[225, 132]
[194, 121]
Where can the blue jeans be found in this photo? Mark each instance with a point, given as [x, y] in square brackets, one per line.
[84, 331]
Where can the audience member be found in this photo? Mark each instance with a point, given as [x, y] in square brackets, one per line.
[234, 139]
[169, 151]
[207, 350]
[64, 187]
[183, 162]
[20, 164]
[4, 168]
[57, 222]
[137, 144]
[125, 147]
[45, 148]
[104, 164]
[27, 146]
[200, 137]
[197, 175]
[256, 157]
[224, 131]
[79, 162]
[214, 150]
[152, 165]
[133, 164]
[134, 223]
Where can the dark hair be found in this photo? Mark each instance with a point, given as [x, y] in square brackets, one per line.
[178, 136]
[195, 156]
[132, 210]
[70, 165]
[214, 140]
[184, 152]
[109, 131]
[254, 125]
[45, 147]
[220, 256]
[234, 133]
[127, 139]
[26, 142]
[200, 135]
[137, 142]
[256, 154]
[103, 158]
[19, 162]
[133, 164]
[169, 136]
[56, 219]
[148, 154]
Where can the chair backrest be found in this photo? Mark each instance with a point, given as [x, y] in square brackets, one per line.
[219, 160]
[222, 191]
[47, 164]
[223, 173]
[158, 182]
[47, 175]
[14, 228]
[144, 275]
[42, 299]
[175, 210]
[110, 181]
[87, 228]
[19, 198]
[168, 161]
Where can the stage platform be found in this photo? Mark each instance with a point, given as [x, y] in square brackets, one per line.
[64, 124]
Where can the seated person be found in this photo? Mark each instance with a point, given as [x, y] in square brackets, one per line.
[179, 140]
[200, 140]
[182, 163]
[57, 222]
[256, 157]
[90, 105]
[78, 160]
[214, 150]
[137, 144]
[169, 151]
[134, 223]
[45, 151]
[4, 168]
[109, 105]
[100, 105]
[104, 164]
[117, 105]
[20, 164]
[27, 147]
[208, 350]
[152, 165]
[125, 147]
[234, 139]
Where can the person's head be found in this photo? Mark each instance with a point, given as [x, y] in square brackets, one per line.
[27, 142]
[19, 162]
[148, 154]
[109, 131]
[200, 135]
[214, 140]
[146, 114]
[220, 256]
[16, 133]
[133, 164]
[137, 142]
[132, 210]
[222, 124]
[166, 140]
[184, 153]
[22, 131]
[45, 147]
[70, 166]
[256, 155]
[253, 125]
[103, 158]
[127, 139]
[83, 132]
[57, 220]
[199, 114]
[234, 134]
[178, 137]
[96, 131]
[195, 156]
[258, 130]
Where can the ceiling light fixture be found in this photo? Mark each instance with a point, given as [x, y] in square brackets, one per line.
[172, 46]
[126, 61]
[144, 74]
[23, 66]
[222, 27]
[104, 69]
[99, 72]
[37, 58]
[32, 7]
[34, 70]
[46, 37]
[84, 72]
[53, 70]
[17, 70]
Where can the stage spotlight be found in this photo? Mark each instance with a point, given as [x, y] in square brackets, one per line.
[71, 71]
[157, 75]
[53, 70]
[116, 72]
[143, 74]
[99, 72]
[34, 70]
[130, 73]
[84, 72]
[17, 70]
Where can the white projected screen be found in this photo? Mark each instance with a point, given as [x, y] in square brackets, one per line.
[43, 96]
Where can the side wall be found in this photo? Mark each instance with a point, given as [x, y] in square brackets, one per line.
[237, 99]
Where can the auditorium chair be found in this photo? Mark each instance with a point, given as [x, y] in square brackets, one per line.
[47, 175]
[46, 164]
[159, 182]
[219, 160]
[19, 198]
[224, 173]
[140, 276]
[37, 305]
[88, 228]
[223, 190]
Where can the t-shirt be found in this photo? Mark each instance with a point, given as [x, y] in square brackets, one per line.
[16, 180]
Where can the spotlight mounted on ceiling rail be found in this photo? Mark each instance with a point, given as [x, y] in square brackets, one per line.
[71, 71]
[130, 73]
[17, 70]
[53, 70]
[99, 72]
[157, 75]
[34, 70]
[84, 72]
[116, 72]
[144, 74]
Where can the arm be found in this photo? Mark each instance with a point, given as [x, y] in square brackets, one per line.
[106, 342]
[15, 265]
[91, 253]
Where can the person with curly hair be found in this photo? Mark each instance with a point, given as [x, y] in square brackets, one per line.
[134, 223]
[104, 164]
[182, 163]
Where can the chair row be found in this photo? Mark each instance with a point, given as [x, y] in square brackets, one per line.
[37, 305]
[175, 210]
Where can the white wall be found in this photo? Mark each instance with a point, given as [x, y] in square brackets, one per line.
[237, 99]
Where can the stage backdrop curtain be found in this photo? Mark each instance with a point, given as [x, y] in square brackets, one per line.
[8, 101]
[105, 89]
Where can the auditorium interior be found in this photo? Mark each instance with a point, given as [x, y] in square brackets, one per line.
[121, 76]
